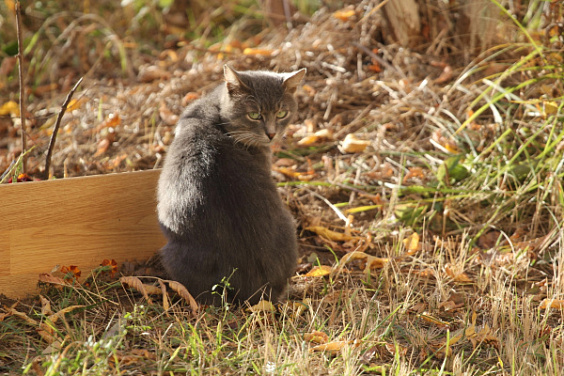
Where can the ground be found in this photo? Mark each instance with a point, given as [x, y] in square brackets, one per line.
[426, 183]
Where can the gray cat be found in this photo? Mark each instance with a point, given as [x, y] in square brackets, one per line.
[217, 203]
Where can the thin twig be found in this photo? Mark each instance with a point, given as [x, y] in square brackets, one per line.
[22, 89]
[379, 59]
[56, 129]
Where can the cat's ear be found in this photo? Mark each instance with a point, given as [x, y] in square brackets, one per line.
[293, 80]
[234, 83]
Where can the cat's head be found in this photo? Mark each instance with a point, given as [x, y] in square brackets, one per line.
[259, 104]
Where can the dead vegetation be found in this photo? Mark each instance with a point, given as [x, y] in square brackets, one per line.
[426, 181]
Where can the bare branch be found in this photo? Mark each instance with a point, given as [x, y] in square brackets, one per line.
[22, 88]
[56, 129]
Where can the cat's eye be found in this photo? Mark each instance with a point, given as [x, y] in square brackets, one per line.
[254, 115]
[281, 114]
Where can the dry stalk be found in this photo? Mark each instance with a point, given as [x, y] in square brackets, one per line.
[56, 129]
[22, 89]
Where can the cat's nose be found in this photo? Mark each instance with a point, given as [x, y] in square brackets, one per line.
[270, 135]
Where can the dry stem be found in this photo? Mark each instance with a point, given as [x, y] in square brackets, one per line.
[56, 129]
[22, 89]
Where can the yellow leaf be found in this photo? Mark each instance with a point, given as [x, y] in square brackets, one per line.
[329, 234]
[372, 262]
[10, 4]
[299, 307]
[412, 243]
[291, 172]
[552, 303]
[319, 271]
[257, 51]
[354, 256]
[433, 320]
[322, 134]
[263, 306]
[353, 144]
[10, 108]
[317, 337]
[332, 347]
[550, 107]
[75, 104]
[344, 14]
[375, 262]
[452, 148]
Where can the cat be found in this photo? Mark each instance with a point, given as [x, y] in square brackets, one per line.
[218, 206]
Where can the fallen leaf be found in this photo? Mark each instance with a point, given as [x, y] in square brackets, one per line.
[332, 348]
[299, 307]
[425, 273]
[374, 67]
[112, 121]
[395, 347]
[257, 52]
[115, 162]
[144, 289]
[44, 89]
[319, 271]
[292, 173]
[316, 337]
[480, 335]
[353, 144]
[552, 303]
[166, 115]
[411, 243]
[56, 316]
[320, 135]
[309, 90]
[103, 147]
[458, 276]
[262, 306]
[10, 108]
[329, 234]
[75, 104]
[370, 262]
[166, 305]
[449, 305]
[45, 306]
[433, 320]
[414, 172]
[51, 279]
[373, 262]
[190, 97]
[152, 73]
[14, 312]
[181, 290]
[344, 14]
[446, 75]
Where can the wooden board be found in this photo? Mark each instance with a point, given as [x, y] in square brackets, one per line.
[77, 221]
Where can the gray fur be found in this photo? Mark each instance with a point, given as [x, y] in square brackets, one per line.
[217, 203]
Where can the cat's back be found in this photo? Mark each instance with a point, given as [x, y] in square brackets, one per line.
[191, 160]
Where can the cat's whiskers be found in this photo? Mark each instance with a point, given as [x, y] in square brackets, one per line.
[246, 138]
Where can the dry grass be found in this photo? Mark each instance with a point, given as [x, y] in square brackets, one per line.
[456, 203]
